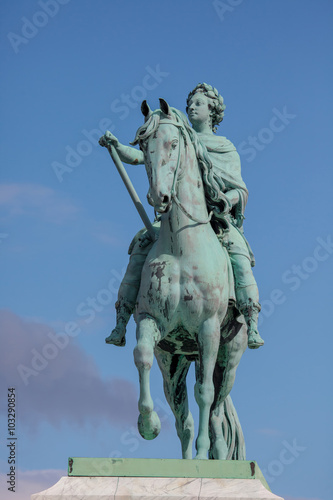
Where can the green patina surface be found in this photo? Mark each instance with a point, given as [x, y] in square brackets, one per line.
[152, 467]
[189, 282]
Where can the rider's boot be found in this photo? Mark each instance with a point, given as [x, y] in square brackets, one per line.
[250, 310]
[129, 288]
[124, 311]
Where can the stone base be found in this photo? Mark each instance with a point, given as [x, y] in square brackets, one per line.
[159, 479]
[155, 488]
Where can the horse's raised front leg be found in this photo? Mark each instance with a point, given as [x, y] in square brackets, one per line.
[147, 335]
[208, 343]
[174, 368]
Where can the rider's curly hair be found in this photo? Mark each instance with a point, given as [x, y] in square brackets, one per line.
[216, 104]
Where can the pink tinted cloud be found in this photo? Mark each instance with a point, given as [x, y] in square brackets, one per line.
[69, 388]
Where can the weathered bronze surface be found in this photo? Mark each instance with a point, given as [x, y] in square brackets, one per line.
[189, 282]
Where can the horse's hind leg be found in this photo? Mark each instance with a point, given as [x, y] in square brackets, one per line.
[208, 341]
[228, 359]
[174, 368]
[147, 334]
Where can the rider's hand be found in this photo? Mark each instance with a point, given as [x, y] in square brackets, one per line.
[146, 238]
[108, 139]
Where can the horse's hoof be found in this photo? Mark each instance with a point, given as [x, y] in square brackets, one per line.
[219, 451]
[149, 426]
[201, 456]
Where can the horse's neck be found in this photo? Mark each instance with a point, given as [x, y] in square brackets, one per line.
[182, 232]
[190, 191]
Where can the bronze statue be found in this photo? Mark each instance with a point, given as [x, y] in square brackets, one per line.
[189, 282]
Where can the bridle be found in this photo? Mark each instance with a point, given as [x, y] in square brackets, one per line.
[174, 196]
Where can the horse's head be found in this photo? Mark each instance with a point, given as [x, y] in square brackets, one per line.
[160, 140]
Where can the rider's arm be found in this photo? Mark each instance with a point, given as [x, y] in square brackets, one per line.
[129, 155]
[126, 154]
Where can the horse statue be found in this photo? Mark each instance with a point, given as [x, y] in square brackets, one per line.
[183, 313]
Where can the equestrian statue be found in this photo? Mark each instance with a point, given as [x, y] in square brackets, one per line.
[189, 282]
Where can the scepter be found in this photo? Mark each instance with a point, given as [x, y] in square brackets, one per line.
[130, 188]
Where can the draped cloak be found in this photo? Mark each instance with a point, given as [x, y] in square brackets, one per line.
[227, 173]
[227, 170]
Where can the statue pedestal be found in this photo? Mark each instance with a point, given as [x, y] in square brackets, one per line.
[154, 479]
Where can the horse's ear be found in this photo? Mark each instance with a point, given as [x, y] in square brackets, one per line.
[165, 107]
[146, 111]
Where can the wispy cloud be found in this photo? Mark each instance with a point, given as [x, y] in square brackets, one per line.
[104, 232]
[35, 200]
[69, 388]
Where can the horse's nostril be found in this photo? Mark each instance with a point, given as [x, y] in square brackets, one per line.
[165, 199]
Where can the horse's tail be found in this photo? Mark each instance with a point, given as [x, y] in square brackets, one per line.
[232, 432]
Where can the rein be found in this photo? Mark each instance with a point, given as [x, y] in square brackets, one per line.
[174, 196]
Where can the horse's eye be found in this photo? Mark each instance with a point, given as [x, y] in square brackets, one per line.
[174, 144]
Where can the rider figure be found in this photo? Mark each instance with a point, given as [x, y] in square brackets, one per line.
[205, 110]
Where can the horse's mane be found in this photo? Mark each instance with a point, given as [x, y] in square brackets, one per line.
[215, 198]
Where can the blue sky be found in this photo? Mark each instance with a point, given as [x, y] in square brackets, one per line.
[71, 70]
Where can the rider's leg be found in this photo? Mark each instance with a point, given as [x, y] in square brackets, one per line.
[247, 296]
[127, 294]
[124, 310]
